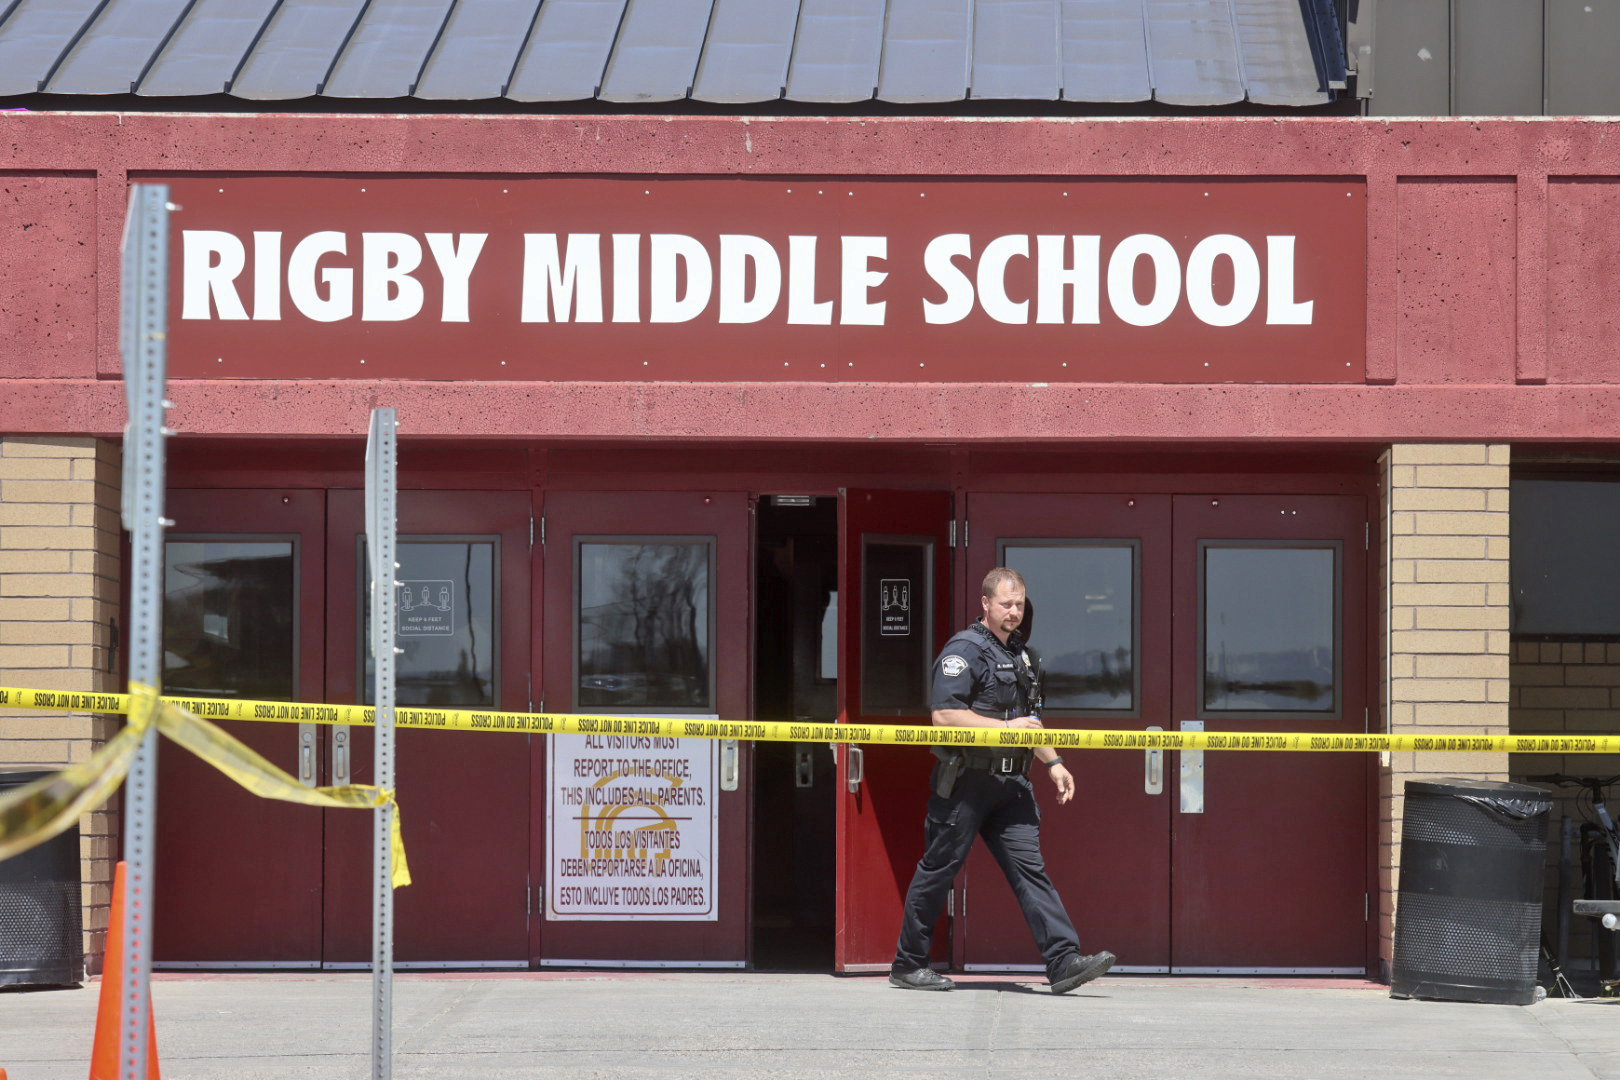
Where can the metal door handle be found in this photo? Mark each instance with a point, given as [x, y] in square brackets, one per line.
[340, 754]
[1153, 781]
[728, 765]
[1192, 773]
[306, 754]
[857, 768]
[804, 765]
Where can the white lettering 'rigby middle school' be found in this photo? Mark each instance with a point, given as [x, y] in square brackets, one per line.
[732, 279]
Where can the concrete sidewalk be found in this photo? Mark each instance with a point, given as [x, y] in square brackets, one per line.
[734, 1024]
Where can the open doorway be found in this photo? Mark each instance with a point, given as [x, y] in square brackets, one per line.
[795, 678]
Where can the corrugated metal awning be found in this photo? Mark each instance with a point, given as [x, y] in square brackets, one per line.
[1176, 52]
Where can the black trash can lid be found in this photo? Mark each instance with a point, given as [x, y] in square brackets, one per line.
[1509, 800]
[16, 778]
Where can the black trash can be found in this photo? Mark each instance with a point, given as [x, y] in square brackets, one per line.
[1468, 918]
[41, 938]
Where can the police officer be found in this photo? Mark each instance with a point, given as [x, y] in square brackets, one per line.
[987, 677]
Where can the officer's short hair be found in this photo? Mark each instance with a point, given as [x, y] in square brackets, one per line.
[993, 580]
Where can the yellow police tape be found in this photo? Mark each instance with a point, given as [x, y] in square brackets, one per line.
[38, 811]
[782, 731]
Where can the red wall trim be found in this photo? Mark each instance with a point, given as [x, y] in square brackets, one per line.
[963, 412]
[1539, 274]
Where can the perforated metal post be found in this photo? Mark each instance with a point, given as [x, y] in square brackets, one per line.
[143, 342]
[381, 521]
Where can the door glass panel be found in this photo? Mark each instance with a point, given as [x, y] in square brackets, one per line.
[643, 624]
[230, 618]
[827, 666]
[445, 623]
[1085, 595]
[1270, 640]
[897, 622]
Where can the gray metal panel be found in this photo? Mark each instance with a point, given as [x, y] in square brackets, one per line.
[479, 48]
[296, 52]
[1105, 51]
[34, 38]
[568, 51]
[1359, 44]
[927, 51]
[838, 52]
[1496, 58]
[1017, 50]
[116, 48]
[1582, 76]
[656, 56]
[1275, 48]
[1412, 40]
[389, 47]
[1192, 52]
[208, 47]
[746, 56]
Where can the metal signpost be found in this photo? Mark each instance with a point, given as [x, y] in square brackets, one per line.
[144, 345]
[145, 316]
[381, 520]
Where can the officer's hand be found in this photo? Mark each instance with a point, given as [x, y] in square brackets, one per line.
[1064, 781]
[1025, 722]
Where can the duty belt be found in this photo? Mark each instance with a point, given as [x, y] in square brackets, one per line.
[1006, 762]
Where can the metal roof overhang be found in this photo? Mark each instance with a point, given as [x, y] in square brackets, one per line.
[1173, 52]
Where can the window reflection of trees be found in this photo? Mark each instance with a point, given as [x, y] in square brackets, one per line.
[1086, 594]
[228, 617]
[1094, 679]
[1269, 640]
[643, 625]
[1281, 679]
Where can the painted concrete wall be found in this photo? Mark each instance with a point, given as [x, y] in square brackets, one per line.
[1491, 263]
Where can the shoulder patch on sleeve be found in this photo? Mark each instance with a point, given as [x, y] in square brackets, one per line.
[953, 665]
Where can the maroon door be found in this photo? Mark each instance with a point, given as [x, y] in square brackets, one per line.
[1098, 572]
[646, 613]
[464, 797]
[895, 614]
[1216, 613]
[1270, 636]
[239, 877]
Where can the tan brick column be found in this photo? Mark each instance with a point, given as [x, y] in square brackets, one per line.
[59, 595]
[1446, 660]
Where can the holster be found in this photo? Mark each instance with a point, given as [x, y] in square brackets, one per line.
[945, 775]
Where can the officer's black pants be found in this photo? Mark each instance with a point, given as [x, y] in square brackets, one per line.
[1002, 809]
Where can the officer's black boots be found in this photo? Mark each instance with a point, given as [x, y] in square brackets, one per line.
[921, 979]
[1080, 969]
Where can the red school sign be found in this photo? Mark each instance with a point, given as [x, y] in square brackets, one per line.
[614, 279]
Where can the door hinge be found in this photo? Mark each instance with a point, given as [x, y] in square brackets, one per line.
[950, 903]
[531, 532]
[1366, 536]
[542, 531]
[1366, 907]
[951, 535]
[539, 900]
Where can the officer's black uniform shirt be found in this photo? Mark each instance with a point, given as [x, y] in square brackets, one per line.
[976, 671]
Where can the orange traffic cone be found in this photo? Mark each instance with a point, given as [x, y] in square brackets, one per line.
[104, 1054]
